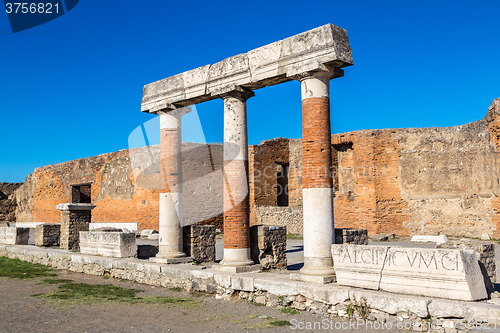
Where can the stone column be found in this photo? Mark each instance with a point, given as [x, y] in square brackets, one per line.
[317, 186]
[237, 256]
[170, 226]
[75, 217]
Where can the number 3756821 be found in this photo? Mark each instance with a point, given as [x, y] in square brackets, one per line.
[33, 8]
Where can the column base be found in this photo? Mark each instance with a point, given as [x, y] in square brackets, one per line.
[171, 258]
[237, 269]
[321, 279]
[316, 270]
[237, 257]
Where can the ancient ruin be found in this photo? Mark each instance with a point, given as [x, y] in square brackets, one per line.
[423, 182]
[370, 192]
[453, 274]
[313, 58]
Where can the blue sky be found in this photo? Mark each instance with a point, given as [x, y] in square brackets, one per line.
[72, 87]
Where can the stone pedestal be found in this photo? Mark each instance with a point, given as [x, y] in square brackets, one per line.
[75, 217]
[108, 243]
[199, 242]
[351, 236]
[48, 234]
[268, 246]
[14, 236]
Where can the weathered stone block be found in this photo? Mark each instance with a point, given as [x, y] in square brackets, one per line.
[351, 236]
[440, 239]
[14, 236]
[108, 244]
[199, 242]
[146, 251]
[268, 246]
[453, 274]
[485, 252]
[47, 234]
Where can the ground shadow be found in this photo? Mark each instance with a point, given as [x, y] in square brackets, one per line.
[295, 249]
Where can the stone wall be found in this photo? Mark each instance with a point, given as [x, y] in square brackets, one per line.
[403, 181]
[125, 187]
[291, 217]
[8, 203]
[48, 234]
[199, 242]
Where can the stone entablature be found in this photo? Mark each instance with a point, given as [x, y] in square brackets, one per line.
[268, 65]
[445, 273]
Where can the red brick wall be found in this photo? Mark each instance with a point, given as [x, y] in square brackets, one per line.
[354, 201]
[125, 195]
[493, 118]
[366, 171]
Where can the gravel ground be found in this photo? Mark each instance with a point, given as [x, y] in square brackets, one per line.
[20, 312]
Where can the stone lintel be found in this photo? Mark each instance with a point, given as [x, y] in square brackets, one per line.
[75, 206]
[325, 46]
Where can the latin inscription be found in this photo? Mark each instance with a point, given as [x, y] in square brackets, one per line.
[399, 257]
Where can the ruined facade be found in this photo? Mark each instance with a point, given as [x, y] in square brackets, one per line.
[123, 185]
[8, 203]
[407, 181]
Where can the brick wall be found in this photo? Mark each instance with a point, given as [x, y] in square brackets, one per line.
[125, 187]
[407, 181]
[410, 181]
[493, 118]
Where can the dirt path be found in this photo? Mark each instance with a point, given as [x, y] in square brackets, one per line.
[20, 312]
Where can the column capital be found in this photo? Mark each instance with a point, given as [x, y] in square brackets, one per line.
[326, 73]
[238, 92]
[172, 118]
[178, 112]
